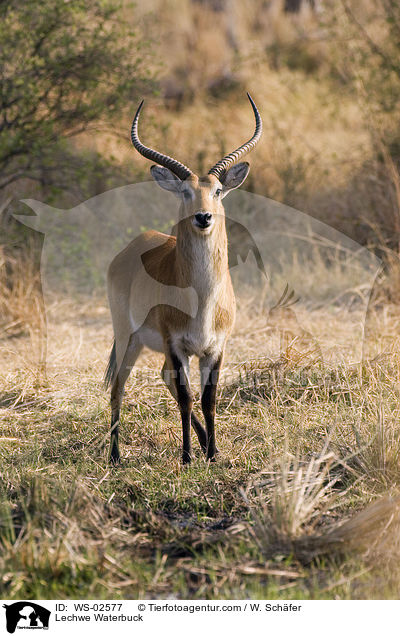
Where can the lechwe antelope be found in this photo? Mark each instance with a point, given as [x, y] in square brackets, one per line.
[194, 312]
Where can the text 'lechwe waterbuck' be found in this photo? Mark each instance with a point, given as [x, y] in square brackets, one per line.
[174, 294]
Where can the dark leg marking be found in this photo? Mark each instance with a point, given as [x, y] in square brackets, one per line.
[185, 403]
[197, 426]
[115, 410]
[121, 375]
[200, 432]
[208, 403]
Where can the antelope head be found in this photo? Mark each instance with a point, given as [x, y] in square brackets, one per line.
[201, 208]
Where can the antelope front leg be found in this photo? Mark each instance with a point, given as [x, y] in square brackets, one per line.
[209, 368]
[180, 365]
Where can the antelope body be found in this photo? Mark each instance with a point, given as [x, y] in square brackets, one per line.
[174, 294]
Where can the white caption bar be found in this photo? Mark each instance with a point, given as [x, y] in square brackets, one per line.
[155, 616]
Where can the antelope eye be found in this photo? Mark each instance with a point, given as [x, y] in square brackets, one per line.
[218, 192]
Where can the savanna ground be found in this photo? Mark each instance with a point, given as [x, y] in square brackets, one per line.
[303, 501]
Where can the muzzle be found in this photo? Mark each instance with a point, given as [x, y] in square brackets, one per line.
[203, 220]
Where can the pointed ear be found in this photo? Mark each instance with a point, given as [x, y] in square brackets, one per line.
[234, 177]
[166, 179]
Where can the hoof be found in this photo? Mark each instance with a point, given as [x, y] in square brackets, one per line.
[186, 458]
[115, 459]
[211, 453]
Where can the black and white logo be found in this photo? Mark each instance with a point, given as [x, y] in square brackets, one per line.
[26, 615]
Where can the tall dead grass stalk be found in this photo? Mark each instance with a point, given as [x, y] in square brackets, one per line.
[21, 304]
[292, 511]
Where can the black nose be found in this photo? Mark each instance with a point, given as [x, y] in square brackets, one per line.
[203, 219]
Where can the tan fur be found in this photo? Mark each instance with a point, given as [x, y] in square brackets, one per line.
[188, 260]
[174, 294]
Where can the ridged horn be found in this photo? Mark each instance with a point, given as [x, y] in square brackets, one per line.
[237, 154]
[179, 169]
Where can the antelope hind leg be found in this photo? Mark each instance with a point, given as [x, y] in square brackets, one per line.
[132, 351]
[167, 376]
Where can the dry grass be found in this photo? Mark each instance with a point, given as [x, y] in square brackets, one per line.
[297, 510]
[304, 499]
[321, 149]
[316, 449]
[314, 135]
[21, 305]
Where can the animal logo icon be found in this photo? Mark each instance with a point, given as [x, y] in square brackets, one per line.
[26, 615]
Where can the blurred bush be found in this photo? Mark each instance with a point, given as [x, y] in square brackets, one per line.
[365, 53]
[64, 66]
